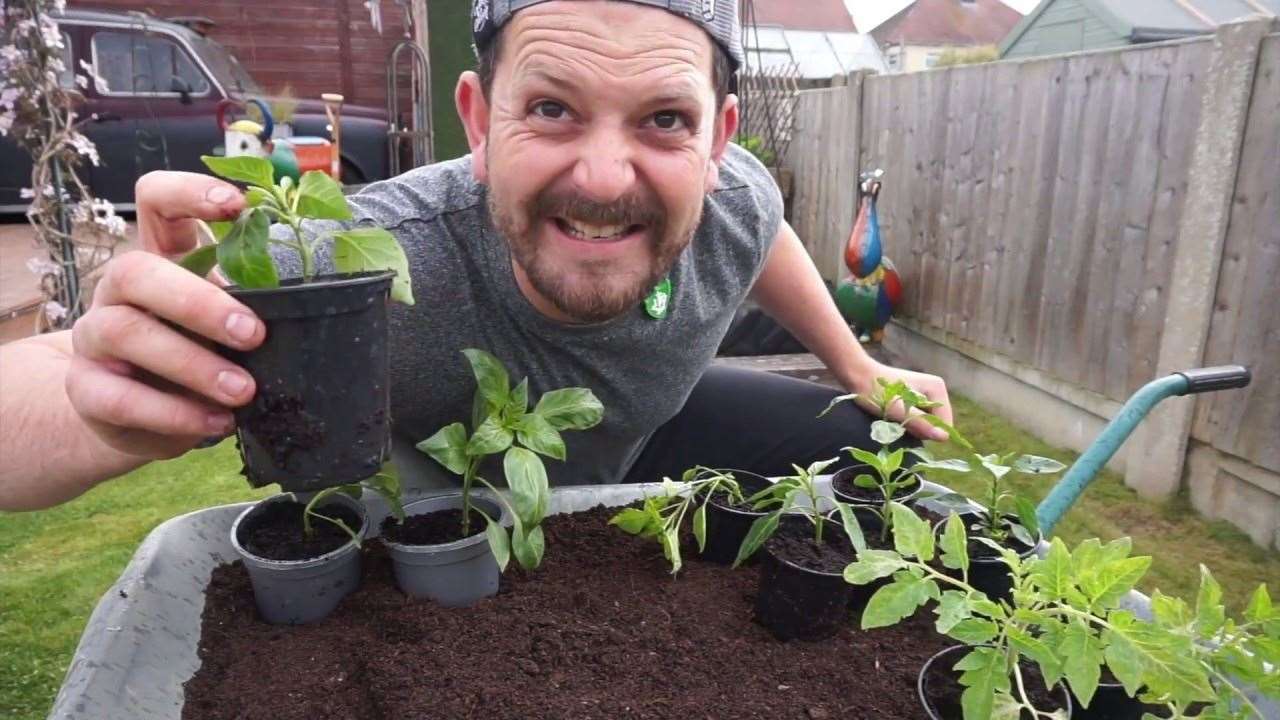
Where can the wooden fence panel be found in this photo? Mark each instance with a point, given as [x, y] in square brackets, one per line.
[1245, 327]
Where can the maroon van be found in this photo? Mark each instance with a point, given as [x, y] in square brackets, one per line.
[153, 106]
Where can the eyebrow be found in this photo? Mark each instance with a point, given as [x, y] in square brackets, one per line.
[548, 75]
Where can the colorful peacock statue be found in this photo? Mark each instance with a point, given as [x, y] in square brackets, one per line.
[867, 299]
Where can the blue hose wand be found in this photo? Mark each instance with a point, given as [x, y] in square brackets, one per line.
[1086, 468]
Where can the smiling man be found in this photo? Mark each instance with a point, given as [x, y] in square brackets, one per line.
[601, 233]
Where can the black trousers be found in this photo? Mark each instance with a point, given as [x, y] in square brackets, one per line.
[755, 421]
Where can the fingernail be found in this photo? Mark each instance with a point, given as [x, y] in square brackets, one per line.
[219, 423]
[232, 383]
[219, 194]
[939, 434]
[241, 327]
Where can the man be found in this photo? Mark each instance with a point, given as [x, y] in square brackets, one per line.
[600, 166]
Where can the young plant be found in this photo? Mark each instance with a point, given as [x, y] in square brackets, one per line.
[503, 423]
[241, 248]
[890, 475]
[799, 493]
[661, 517]
[995, 518]
[388, 486]
[1065, 617]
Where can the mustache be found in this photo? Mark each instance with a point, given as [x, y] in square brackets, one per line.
[631, 209]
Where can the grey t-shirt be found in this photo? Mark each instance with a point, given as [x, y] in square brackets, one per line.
[641, 368]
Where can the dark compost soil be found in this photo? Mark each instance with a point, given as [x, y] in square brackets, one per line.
[434, 528]
[600, 631]
[277, 533]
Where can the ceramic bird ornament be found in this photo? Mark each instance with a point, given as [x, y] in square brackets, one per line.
[869, 296]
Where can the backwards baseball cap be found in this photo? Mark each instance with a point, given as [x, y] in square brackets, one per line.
[718, 17]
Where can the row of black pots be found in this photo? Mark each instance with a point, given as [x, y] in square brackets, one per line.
[296, 592]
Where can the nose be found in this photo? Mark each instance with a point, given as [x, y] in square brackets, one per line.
[604, 171]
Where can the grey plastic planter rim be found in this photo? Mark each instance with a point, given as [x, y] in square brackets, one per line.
[325, 559]
[321, 282]
[447, 553]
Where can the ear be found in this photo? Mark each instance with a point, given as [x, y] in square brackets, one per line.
[473, 111]
[725, 128]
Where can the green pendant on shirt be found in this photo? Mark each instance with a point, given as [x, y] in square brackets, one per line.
[658, 303]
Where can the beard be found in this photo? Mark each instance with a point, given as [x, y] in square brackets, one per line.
[591, 291]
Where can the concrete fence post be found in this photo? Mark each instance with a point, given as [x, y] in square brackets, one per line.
[1160, 443]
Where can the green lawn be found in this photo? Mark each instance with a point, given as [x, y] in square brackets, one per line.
[55, 564]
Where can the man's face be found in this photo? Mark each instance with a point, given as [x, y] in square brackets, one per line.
[598, 143]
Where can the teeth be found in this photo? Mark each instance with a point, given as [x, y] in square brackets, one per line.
[586, 231]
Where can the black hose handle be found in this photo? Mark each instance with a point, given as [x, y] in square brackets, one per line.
[1212, 379]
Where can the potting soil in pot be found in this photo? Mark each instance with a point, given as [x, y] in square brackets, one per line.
[435, 528]
[601, 630]
[277, 532]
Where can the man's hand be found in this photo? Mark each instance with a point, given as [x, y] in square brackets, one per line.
[144, 386]
[931, 386]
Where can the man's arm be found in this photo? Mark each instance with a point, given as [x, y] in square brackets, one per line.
[47, 453]
[791, 291]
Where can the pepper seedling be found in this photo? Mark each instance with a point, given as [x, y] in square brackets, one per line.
[241, 248]
[503, 423]
[890, 475]
[660, 517]
[388, 486]
[996, 518]
[797, 494]
[1066, 616]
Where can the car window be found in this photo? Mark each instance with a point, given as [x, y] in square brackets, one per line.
[67, 78]
[137, 64]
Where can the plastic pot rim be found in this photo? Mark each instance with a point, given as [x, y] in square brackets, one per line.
[735, 511]
[1060, 689]
[344, 549]
[797, 566]
[477, 538]
[851, 500]
[320, 282]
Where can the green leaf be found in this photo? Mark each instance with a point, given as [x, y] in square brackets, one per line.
[886, 432]
[912, 536]
[528, 547]
[983, 675]
[243, 254]
[1114, 580]
[371, 249]
[1259, 607]
[836, 401]
[1036, 465]
[1027, 516]
[1172, 666]
[632, 521]
[257, 197]
[527, 480]
[201, 260]
[700, 526]
[871, 565]
[1052, 573]
[534, 432]
[974, 631]
[955, 544]
[953, 607]
[448, 447]
[852, 529]
[518, 403]
[866, 481]
[991, 463]
[388, 486]
[320, 197]
[1210, 615]
[868, 458]
[1082, 658]
[760, 530]
[897, 600]
[245, 169]
[499, 543]
[1123, 660]
[1037, 650]
[570, 409]
[490, 438]
[950, 465]
[217, 229]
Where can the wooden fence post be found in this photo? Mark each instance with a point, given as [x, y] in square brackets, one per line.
[1158, 449]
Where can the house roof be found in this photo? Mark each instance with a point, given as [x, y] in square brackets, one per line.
[817, 55]
[826, 15]
[949, 22]
[1149, 20]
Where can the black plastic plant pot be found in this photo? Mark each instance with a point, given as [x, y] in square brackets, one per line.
[453, 574]
[847, 492]
[939, 688]
[297, 592]
[727, 524]
[802, 593]
[320, 416]
[1111, 702]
